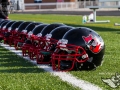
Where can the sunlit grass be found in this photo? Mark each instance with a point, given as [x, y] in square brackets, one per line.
[16, 70]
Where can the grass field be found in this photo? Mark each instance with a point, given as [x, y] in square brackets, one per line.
[18, 74]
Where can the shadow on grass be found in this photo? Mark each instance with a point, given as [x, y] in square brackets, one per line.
[22, 70]
[11, 63]
[101, 29]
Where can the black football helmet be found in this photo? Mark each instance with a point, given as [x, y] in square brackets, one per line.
[38, 29]
[3, 23]
[35, 32]
[31, 26]
[58, 32]
[49, 28]
[80, 49]
[23, 25]
[6, 29]
[51, 42]
[15, 25]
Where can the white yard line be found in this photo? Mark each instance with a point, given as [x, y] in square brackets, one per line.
[67, 77]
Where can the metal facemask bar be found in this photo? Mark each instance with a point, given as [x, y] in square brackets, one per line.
[44, 55]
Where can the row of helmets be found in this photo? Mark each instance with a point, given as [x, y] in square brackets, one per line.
[88, 41]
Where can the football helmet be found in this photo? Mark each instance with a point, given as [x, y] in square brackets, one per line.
[51, 42]
[6, 27]
[35, 32]
[49, 28]
[16, 25]
[38, 29]
[31, 26]
[58, 32]
[3, 24]
[80, 49]
[23, 25]
[7, 31]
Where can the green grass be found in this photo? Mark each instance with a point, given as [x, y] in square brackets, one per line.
[18, 74]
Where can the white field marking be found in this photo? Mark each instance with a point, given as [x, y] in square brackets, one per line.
[67, 77]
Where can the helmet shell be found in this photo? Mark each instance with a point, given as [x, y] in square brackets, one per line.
[90, 40]
[58, 32]
[38, 28]
[49, 28]
[23, 25]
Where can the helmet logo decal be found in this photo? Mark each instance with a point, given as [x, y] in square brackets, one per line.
[93, 43]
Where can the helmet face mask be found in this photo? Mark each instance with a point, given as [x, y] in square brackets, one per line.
[86, 47]
[66, 55]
